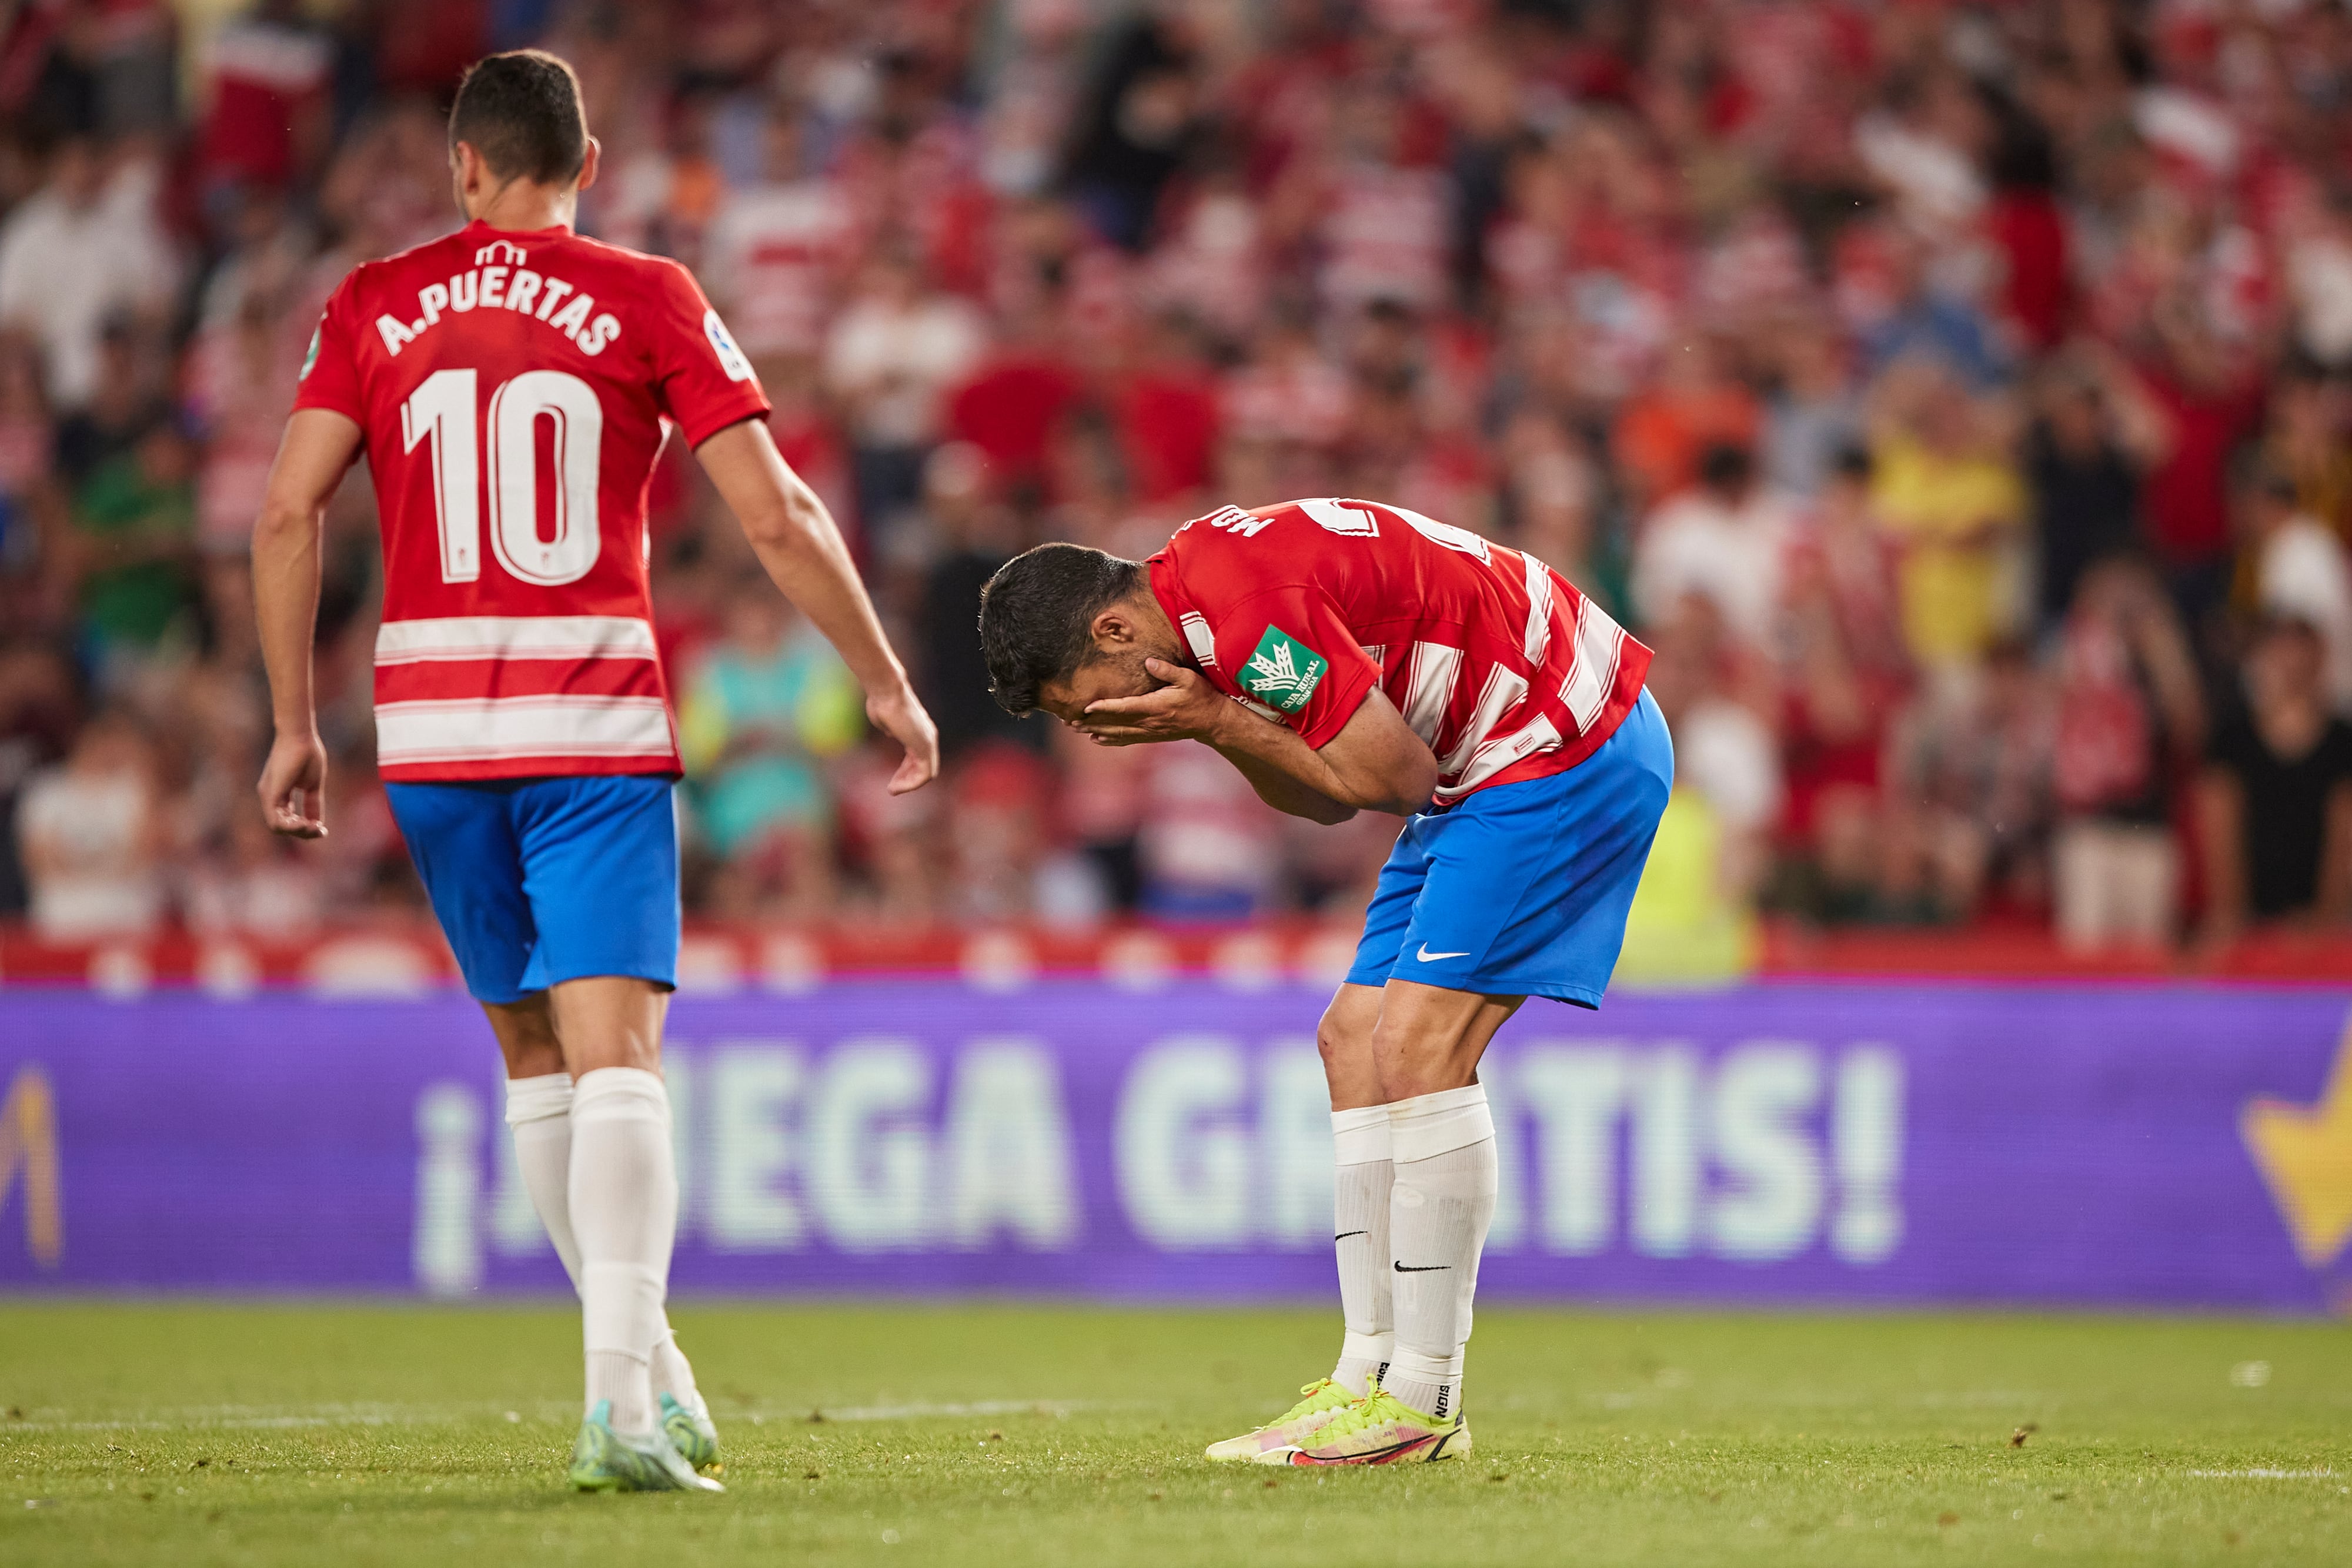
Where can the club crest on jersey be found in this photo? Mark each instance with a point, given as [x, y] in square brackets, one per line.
[1283, 672]
[502, 247]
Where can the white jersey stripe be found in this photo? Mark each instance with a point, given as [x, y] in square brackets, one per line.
[1592, 671]
[1429, 688]
[1200, 639]
[1536, 736]
[460, 637]
[480, 729]
[1538, 610]
[1501, 693]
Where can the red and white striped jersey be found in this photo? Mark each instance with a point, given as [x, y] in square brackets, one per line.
[1495, 660]
[513, 389]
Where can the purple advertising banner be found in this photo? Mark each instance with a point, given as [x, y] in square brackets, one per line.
[2186, 1146]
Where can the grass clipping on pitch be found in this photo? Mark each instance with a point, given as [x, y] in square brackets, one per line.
[984, 1435]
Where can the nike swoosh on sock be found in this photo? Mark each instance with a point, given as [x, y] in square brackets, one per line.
[1345, 1234]
[1419, 1268]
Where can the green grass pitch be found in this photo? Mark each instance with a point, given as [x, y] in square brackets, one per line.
[982, 1434]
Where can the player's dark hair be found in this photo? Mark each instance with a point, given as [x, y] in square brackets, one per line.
[1036, 616]
[521, 110]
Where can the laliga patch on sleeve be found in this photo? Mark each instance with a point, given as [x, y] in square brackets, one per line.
[730, 358]
[1283, 672]
[312, 358]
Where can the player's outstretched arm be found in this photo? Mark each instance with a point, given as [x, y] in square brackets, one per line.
[316, 449]
[801, 548]
[1376, 763]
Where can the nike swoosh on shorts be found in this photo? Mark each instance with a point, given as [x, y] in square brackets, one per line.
[1426, 956]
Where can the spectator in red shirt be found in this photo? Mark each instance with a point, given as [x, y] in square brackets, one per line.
[2023, 219]
[1010, 408]
[1166, 404]
[267, 81]
[2209, 407]
[1846, 672]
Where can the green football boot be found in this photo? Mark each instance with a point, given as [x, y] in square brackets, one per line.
[689, 1431]
[1318, 1403]
[603, 1460]
[1379, 1429]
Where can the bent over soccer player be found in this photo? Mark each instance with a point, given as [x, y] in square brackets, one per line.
[510, 384]
[1348, 656]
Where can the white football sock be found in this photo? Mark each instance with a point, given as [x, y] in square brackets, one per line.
[624, 1212]
[1444, 1146]
[1359, 1139]
[672, 1375]
[539, 1113]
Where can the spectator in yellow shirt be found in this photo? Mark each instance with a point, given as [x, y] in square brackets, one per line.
[1949, 494]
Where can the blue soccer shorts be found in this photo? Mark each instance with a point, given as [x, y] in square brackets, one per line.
[538, 881]
[1522, 889]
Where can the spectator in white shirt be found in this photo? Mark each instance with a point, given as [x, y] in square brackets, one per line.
[776, 250]
[85, 247]
[1725, 539]
[893, 356]
[2301, 573]
[89, 833]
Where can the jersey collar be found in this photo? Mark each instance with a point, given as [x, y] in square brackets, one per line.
[478, 228]
[1161, 570]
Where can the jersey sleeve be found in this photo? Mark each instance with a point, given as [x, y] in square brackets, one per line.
[700, 378]
[330, 370]
[1288, 650]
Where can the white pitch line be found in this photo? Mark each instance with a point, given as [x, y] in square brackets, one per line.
[250, 1423]
[248, 1417]
[258, 1417]
[1056, 1408]
[219, 1424]
[2263, 1475]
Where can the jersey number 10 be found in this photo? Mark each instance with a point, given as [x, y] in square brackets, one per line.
[442, 409]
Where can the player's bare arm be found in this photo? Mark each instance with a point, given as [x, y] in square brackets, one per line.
[1374, 764]
[313, 455]
[1288, 795]
[801, 548]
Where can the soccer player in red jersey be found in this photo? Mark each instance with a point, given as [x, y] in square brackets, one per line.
[1351, 656]
[510, 385]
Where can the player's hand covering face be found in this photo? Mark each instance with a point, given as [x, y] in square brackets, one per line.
[1185, 707]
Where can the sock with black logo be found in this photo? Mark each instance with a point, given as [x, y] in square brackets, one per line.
[1359, 1139]
[1444, 1199]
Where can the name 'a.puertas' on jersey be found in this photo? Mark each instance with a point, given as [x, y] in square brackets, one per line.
[541, 296]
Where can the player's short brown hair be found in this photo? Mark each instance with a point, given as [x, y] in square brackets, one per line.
[1036, 617]
[521, 110]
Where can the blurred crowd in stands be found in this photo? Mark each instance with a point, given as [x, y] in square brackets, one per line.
[1956, 397]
